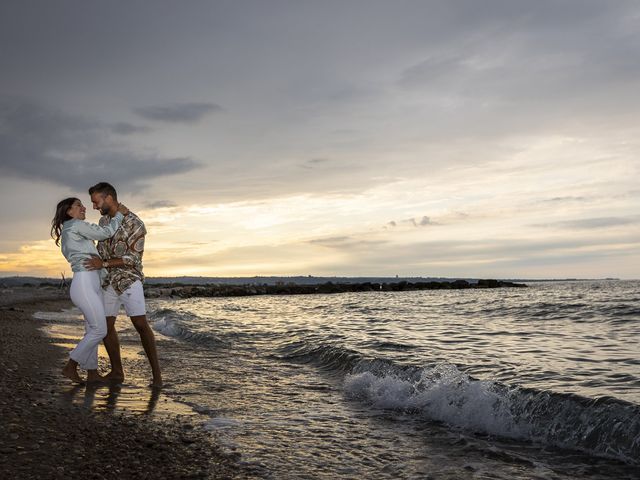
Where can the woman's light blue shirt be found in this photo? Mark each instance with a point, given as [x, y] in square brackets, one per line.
[77, 238]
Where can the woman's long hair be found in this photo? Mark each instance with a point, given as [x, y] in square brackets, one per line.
[61, 217]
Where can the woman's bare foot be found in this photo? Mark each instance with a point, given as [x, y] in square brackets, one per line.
[70, 371]
[94, 377]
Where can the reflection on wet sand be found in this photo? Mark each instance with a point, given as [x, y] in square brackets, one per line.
[106, 397]
[132, 396]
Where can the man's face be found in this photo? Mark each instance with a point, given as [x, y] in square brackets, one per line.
[101, 202]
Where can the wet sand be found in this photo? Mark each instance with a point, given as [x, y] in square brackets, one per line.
[53, 429]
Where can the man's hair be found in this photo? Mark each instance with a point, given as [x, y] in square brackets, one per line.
[105, 189]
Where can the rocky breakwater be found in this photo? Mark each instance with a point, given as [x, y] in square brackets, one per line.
[188, 291]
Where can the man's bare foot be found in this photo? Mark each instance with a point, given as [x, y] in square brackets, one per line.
[70, 371]
[115, 377]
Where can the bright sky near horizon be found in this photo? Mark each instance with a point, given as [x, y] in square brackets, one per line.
[421, 138]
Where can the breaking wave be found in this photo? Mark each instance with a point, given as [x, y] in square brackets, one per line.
[605, 426]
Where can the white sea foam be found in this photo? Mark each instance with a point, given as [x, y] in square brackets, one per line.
[606, 427]
[221, 423]
[441, 393]
[181, 325]
[224, 429]
[167, 326]
[70, 314]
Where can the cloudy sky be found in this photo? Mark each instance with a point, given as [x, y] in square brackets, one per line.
[471, 138]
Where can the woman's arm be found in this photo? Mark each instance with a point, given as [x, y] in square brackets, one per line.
[96, 232]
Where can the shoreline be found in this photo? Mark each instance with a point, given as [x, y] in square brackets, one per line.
[47, 433]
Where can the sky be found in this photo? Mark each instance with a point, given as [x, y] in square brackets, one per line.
[458, 138]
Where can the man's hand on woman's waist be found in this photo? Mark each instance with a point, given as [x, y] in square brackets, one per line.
[96, 263]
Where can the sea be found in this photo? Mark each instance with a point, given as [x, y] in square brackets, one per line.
[540, 382]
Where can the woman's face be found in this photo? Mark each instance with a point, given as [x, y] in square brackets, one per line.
[77, 210]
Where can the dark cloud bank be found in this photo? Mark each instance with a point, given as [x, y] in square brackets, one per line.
[124, 128]
[43, 144]
[178, 112]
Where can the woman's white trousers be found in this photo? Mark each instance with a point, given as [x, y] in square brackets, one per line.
[86, 294]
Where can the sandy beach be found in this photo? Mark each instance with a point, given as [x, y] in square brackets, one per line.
[53, 429]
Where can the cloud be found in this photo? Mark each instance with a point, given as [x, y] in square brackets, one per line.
[527, 50]
[539, 59]
[124, 128]
[492, 252]
[344, 242]
[433, 69]
[565, 199]
[330, 241]
[423, 222]
[161, 204]
[178, 112]
[45, 144]
[39, 257]
[281, 259]
[27, 124]
[592, 223]
[314, 162]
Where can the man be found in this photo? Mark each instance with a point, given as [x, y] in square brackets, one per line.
[121, 256]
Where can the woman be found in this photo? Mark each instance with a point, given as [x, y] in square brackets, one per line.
[76, 236]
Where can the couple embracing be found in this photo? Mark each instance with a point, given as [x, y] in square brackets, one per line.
[105, 278]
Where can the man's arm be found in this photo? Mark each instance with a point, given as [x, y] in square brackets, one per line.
[131, 259]
[96, 263]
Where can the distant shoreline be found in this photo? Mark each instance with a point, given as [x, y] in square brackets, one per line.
[185, 290]
[188, 291]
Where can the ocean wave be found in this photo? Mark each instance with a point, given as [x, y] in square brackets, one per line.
[606, 426]
[326, 356]
[571, 311]
[175, 324]
[221, 423]
[67, 315]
